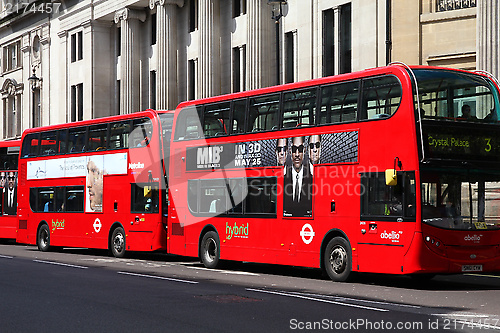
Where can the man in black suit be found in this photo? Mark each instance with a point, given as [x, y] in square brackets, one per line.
[297, 200]
[10, 195]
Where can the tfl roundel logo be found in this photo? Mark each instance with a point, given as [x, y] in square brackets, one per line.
[307, 233]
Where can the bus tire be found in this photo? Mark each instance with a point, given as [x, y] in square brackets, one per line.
[43, 238]
[118, 243]
[210, 250]
[338, 259]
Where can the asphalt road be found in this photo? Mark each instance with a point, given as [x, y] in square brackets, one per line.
[79, 290]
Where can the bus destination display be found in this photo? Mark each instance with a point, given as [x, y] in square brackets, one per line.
[462, 144]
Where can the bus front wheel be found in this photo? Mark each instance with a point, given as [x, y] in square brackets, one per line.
[338, 259]
[43, 238]
[118, 243]
[210, 250]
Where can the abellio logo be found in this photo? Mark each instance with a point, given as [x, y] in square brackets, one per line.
[393, 236]
[236, 231]
[473, 238]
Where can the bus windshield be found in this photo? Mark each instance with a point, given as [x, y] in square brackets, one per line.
[457, 96]
[460, 201]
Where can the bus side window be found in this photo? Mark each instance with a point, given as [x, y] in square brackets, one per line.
[33, 199]
[263, 113]
[262, 196]
[76, 139]
[62, 142]
[239, 112]
[30, 145]
[145, 198]
[98, 135]
[216, 119]
[213, 196]
[119, 135]
[46, 200]
[74, 199]
[339, 103]
[48, 143]
[142, 132]
[381, 97]
[299, 108]
[189, 123]
[381, 200]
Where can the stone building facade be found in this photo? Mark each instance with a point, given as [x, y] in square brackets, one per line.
[95, 58]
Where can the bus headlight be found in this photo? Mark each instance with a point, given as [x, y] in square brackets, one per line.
[435, 245]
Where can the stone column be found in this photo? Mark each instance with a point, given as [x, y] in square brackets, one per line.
[130, 20]
[261, 57]
[45, 75]
[166, 42]
[487, 45]
[61, 83]
[209, 82]
[27, 96]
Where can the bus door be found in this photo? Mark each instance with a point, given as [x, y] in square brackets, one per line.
[387, 220]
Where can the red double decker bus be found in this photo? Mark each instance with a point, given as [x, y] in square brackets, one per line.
[95, 184]
[389, 170]
[9, 152]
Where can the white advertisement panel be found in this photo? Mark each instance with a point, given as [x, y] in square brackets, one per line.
[113, 164]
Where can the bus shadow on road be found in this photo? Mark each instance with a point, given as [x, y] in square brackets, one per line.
[458, 282]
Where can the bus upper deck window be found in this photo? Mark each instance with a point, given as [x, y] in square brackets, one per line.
[381, 96]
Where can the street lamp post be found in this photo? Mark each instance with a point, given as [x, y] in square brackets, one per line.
[34, 83]
[277, 14]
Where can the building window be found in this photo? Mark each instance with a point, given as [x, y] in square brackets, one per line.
[77, 102]
[345, 39]
[193, 15]
[153, 29]
[239, 7]
[12, 56]
[36, 116]
[118, 42]
[239, 68]
[289, 57]
[77, 46]
[191, 79]
[152, 90]
[12, 116]
[328, 43]
[445, 5]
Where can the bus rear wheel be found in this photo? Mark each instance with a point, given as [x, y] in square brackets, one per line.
[43, 238]
[210, 250]
[118, 243]
[338, 259]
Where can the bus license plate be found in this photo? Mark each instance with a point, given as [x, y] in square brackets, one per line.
[472, 268]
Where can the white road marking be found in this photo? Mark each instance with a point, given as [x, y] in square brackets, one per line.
[339, 298]
[59, 264]
[224, 271]
[318, 300]
[6, 257]
[157, 277]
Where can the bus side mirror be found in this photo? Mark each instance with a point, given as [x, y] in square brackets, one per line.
[390, 177]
